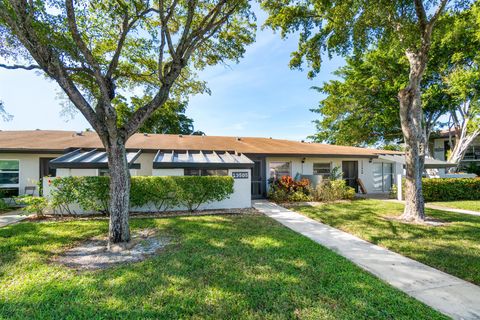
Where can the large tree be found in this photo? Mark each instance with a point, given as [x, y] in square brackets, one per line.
[352, 26]
[100, 51]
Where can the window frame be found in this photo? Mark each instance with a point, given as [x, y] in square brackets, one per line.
[323, 175]
[282, 162]
[11, 185]
[201, 172]
[103, 172]
[384, 176]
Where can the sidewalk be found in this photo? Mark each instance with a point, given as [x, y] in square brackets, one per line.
[452, 296]
[441, 208]
[11, 217]
[432, 206]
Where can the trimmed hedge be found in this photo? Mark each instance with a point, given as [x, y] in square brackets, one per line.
[446, 189]
[155, 193]
[451, 189]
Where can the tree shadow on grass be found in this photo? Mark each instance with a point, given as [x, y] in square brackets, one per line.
[221, 267]
[20, 240]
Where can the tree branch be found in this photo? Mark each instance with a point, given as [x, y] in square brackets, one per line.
[126, 26]
[72, 24]
[18, 66]
[165, 31]
[435, 16]
[421, 15]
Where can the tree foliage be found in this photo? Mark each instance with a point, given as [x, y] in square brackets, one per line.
[170, 119]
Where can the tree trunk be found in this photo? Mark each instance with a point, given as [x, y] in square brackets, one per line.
[411, 117]
[119, 205]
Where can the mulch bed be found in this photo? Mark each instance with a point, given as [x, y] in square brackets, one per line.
[429, 222]
[94, 253]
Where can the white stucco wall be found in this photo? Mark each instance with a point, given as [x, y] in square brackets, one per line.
[145, 160]
[29, 168]
[365, 167]
[76, 172]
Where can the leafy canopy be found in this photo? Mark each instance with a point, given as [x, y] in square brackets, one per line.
[350, 27]
[112, 52]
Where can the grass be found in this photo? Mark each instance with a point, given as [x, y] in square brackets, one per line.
[473, 205]
[453, 248]
[236, 267]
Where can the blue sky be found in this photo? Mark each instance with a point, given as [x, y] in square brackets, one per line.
[260, 96]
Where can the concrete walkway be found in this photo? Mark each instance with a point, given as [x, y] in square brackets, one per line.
[432, 206]
[452, 296]
[436, 207]
[11, 217]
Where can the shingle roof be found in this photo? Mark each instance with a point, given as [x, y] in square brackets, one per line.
[59, 141]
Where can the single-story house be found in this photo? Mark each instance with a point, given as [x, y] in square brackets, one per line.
[26, 157]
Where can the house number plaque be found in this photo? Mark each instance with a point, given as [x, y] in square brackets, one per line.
[240, 175]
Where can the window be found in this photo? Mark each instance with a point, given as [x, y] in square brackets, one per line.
[472, 153]
[279, 169]
[322, 169]
[104, 172]
[205, 172]
[382, 176]
[9, 178]
[9, 172]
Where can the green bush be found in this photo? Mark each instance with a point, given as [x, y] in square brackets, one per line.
[163, 193]
[33, 204]
[193, 191]
[277, 195]
[447, 189]
[299, 196]
[473, 168]
[451, 189]
[332, 190]
[159, 192]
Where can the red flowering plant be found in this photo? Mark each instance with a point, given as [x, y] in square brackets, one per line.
[288, 189]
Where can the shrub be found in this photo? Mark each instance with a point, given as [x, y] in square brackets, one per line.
[33, 204]
[451, 189]
[299, 196]
[277, 195]
[64, 193]
[3, 205]
[447, 189]
[92, 193]
[286, 189]
[193, 191]
[161, 192]
[332, 190]
[473, 168]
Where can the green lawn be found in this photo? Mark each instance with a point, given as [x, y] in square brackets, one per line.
[473, 205]
[453, 248]
[238, 267]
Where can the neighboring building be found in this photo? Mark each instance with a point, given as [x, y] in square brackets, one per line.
[28, 156]
[440, 144]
